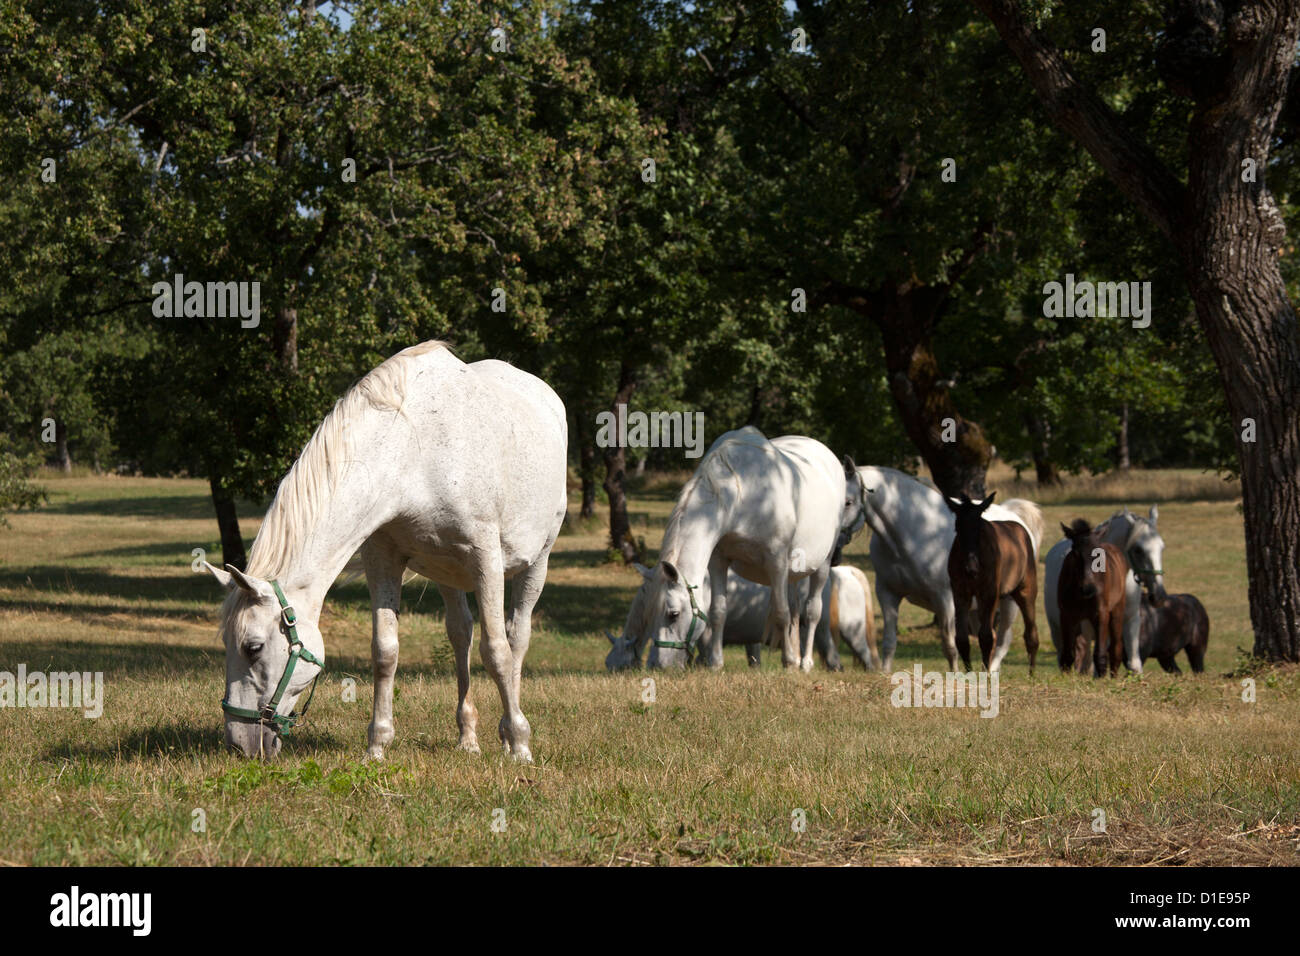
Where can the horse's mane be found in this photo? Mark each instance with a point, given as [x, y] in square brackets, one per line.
[709, 475]
[306, 488]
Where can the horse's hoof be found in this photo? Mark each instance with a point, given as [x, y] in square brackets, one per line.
[374, 752]
[522, 755]
[469, 746]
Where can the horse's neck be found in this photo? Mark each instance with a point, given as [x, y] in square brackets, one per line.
[692, 539]
[1118, 530]
[342, 524]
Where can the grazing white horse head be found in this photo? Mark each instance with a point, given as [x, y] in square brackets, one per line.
[455, 471]
[263, 649]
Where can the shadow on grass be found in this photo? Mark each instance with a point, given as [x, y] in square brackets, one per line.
[53, 580]
[183, 506]
[112, 660]
[171, 740]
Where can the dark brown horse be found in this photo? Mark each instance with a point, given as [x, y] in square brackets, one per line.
[990, 560]
[1176, 624]
[1091, 600]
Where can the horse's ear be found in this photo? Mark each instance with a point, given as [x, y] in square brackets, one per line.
[254, 587]
[953, 504]
[850, 469]
[642, 570]
[988, 501]
[224, 578]
[1068, 533]
[612, 638]
[670, 570]
[1153, 515]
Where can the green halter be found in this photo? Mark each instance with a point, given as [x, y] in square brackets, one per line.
[282, 723]
[697, 617]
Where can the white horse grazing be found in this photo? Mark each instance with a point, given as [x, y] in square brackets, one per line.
[847, 615]
[912, 534]
[1142, 545]
[455, 470]
[773, 510]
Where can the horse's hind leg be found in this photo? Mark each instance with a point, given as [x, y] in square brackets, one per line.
[810, 616]
[460, 631]
[384, 570]
[754, 655]
[1024, 599]
[1169, 665]
[525, 589]
[1006, 623]
[498, 659]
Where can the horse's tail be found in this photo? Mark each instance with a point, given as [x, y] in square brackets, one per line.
[1029, 513]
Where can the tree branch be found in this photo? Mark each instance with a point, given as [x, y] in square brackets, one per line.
[1078, 110]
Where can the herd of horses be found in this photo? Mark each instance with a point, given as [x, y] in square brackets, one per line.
[458, 472]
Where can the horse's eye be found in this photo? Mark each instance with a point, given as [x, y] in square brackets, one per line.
[252, 650]
[672, 615]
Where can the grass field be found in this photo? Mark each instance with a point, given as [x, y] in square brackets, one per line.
[712, 772]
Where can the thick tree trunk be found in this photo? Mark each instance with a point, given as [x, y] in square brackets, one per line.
[232, 542]
[1234, 63]
[620, 529]
[953, 448]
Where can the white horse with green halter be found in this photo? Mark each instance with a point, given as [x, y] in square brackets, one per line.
[772, 510]
[1140, 540]
[455, 471]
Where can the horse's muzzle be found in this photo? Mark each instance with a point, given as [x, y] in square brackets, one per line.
[252, 739]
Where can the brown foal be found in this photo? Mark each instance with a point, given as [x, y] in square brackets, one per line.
[990, 560]
[1091, 599]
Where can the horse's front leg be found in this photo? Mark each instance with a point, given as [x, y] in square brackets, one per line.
[711, 653]
[498, 659]
[961, 626]
[987, 610]
[778, 616]
[1101, 646]
[810, 617]
[460, 631]
[384, 578]
[889, 602]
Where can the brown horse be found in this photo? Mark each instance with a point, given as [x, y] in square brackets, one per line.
[1091, 600]
[990, 560]
[1178, 623]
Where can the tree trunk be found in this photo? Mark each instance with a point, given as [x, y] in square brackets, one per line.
[232, 542]
[620, 529]
[587, 467]
[1122, 454]
[61, 453]
[1234, 62]
[953, 448]
[286, 338]
[1039, 449]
